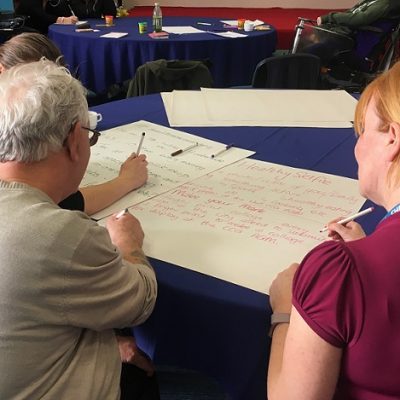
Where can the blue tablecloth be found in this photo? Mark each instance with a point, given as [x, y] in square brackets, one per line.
[100, 62]
[207, 324]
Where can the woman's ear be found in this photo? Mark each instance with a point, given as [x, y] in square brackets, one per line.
[393, 143]
[2, 69]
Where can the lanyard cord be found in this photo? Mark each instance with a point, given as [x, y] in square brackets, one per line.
[394, 210]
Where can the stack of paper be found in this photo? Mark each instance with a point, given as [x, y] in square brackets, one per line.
[256, 107]
[180, 30]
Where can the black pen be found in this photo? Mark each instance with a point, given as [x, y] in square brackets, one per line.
[180, 151]
[227, 147]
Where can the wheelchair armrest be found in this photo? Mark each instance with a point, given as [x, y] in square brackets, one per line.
[369, 28]
[312, 21]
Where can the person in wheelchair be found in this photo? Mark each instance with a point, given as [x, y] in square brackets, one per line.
[363, 13]
[81, 8]
[336, 32]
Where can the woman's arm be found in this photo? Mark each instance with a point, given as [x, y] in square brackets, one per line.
[302, 366]
[132, 175]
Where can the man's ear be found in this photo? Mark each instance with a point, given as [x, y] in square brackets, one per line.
[72, 144]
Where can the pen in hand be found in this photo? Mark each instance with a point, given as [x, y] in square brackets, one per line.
[180, 151]
[70, 9]
[140, 144]
[227, 147]
[344, 221]
[121, 213]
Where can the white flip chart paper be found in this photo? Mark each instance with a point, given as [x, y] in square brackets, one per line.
[165, 172]
[245, 222]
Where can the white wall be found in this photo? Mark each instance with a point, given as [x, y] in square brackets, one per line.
[321, 4]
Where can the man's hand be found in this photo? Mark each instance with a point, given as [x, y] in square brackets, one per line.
[125, 232]
[132, 354]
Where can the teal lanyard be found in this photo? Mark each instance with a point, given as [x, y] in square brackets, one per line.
[394, 210]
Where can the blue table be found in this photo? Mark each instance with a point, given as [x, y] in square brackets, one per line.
[208, 324]
[100, 62]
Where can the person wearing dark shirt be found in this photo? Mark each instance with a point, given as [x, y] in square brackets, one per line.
[28, 47]
[81, 8]
[38, 18]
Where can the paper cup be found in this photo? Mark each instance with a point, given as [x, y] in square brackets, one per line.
[109, 20]
[240, 23]
[248, 26]
[142, 27]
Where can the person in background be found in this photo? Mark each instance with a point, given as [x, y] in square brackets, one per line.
[83, 9]
[343, 299]
[28, 47]
[363, 13]
[38, 18]
[66, 281]
[346, 23]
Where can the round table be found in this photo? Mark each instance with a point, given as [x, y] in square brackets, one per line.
[207, 324]
[99, 62]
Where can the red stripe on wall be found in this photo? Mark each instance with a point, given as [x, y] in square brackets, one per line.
[282, 19]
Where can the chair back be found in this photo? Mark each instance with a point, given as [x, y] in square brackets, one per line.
[291, 71]
[165, 76]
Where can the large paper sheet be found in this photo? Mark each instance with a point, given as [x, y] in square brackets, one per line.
[165, 171]
[180, 30]
[228, 34]
[279, 105]
[246, 222]
[244, 107]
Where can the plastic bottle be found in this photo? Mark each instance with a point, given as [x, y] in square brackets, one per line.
[157, 18]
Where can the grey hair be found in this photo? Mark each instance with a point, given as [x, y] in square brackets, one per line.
[40, 102]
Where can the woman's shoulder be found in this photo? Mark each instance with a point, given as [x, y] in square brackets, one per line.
[327, 284]
[329, 264]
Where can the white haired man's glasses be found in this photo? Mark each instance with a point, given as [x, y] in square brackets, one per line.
[93, 135]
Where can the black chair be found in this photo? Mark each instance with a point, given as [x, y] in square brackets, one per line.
[291, 71]
[167, 75]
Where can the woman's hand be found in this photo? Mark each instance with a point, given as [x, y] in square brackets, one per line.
[133, 172]
[67, 20]
[280, 292]
[345, 233]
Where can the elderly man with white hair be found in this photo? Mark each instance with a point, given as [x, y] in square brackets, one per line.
[65, 281]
